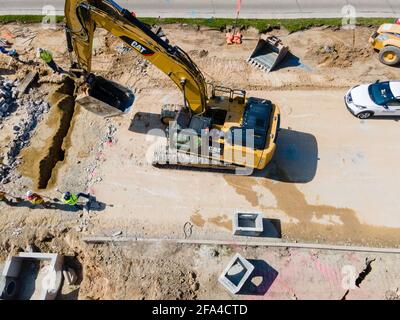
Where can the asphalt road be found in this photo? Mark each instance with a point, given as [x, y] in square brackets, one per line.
[227, 8]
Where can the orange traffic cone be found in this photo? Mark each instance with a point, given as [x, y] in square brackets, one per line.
[229, 38]
[237, 38]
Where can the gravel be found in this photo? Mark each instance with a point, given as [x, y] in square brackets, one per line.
[8, 93]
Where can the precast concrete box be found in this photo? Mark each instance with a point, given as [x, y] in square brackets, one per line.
[31, 276]
[248, 224]
[236, 274]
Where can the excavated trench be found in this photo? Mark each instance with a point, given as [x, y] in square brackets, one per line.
[46, 148]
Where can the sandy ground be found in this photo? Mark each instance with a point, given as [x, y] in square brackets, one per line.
[332, 180]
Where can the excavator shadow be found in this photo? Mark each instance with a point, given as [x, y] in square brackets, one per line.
[292, 61]
[295, 159]
[146, 123]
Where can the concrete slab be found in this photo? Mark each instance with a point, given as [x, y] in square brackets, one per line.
[27, 82]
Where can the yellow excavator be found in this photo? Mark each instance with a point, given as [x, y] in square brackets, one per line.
[223, 129]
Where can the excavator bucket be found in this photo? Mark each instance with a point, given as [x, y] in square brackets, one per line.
[268, 53]
[106, 98]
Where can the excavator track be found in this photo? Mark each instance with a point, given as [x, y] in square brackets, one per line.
[165, 158]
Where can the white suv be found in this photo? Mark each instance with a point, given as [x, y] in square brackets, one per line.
[377, 99]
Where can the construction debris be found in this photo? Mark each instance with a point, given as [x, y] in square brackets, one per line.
[31, 112]
[116, 234]
[27, 82]
[8, 93]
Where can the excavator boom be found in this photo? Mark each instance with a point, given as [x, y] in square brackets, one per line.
[82, 18]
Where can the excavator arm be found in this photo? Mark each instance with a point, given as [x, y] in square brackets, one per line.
[84, 16]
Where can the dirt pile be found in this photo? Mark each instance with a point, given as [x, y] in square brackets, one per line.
[122, 273]
[338, 54]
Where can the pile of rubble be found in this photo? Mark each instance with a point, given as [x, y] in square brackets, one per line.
[8, 94]
[22, 131]
[31, 113]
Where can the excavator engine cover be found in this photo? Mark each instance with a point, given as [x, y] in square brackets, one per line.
[106, 98]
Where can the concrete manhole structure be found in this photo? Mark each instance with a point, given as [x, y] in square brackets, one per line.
[31, 276]
[236, 274]
[248, 224]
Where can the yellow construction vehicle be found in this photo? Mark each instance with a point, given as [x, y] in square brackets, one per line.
[386, 41]
[223, 129]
